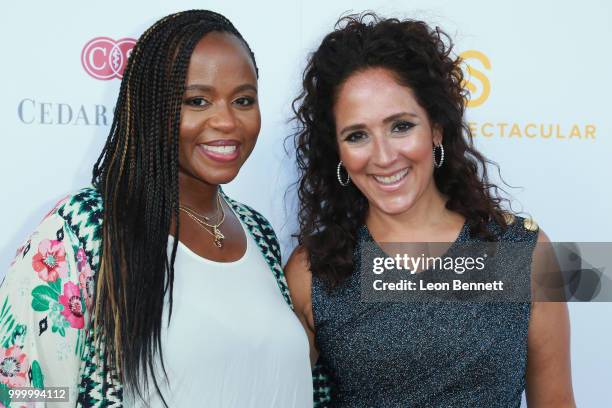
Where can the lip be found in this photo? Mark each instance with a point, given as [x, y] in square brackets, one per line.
[389, 174]
[391, 187]
[220, 157]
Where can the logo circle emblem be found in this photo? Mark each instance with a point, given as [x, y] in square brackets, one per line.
[479, 91]
[104, 58]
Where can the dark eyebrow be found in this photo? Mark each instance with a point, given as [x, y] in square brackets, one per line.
[399, 115]
[246, 87]
[198, 87]
[208, 88]
[386, 120]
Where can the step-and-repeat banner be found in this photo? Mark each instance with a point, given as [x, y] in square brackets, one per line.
[539, 74]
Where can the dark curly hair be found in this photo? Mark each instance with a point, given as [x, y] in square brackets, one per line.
[420, 57]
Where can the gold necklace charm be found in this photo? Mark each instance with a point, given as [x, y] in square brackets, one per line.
[212, 229]
[219, 237]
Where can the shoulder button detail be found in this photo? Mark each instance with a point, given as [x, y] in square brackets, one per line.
[530, 224]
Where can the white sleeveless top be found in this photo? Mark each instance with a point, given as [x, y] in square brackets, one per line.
[233, 341]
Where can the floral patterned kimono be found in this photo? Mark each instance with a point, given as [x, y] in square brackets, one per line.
[46, 304]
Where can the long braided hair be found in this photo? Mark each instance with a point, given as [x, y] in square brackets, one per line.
[137, 176]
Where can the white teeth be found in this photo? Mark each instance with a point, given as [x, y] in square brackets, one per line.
[220, 149]
[392, 179]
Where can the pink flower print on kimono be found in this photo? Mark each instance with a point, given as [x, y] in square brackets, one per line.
[86, 282]
[81, 257]
[73, 305]
[13, 367]
[50, 260]
[86, 277]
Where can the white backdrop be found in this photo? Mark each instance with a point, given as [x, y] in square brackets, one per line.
[540, 83]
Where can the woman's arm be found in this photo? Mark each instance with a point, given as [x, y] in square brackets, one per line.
[549, 380]
[299, 280]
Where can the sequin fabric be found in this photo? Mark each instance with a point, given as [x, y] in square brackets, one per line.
[424, 354]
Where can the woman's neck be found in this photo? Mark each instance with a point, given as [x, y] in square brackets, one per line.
[197, 194]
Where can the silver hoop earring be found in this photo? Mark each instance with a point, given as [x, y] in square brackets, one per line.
[436, 163]
[348, 177]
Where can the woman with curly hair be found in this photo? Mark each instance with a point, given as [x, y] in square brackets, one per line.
[152, 287]
[384, 155]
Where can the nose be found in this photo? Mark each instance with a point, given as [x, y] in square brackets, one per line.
[223, 118]
[384, 154]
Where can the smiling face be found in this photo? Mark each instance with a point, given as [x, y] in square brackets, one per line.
[220, 117]
[385, 140]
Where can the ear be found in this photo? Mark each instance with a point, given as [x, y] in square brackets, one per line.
[437, 135]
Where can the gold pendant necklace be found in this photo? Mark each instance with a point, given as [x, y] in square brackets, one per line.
[218, 236]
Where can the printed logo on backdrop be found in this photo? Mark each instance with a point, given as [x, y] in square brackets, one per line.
[478, 74]
[102, 58]
[481, 89]
[105, 59]
[32, 111]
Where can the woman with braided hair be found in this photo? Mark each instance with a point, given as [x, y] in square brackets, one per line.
[152, 287]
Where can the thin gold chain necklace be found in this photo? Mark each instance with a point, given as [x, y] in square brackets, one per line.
[218, 236]
[202, 216]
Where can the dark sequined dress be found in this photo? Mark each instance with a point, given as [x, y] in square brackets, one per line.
[425, 354]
